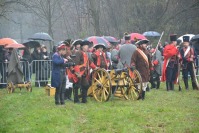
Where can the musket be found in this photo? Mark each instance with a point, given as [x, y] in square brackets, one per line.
[158, 43]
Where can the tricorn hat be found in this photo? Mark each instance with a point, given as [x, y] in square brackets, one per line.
[100, 45]
[173, 37]
[68, 42]
[140, 42]
[186, 38]
[85, 42]
[76, 42]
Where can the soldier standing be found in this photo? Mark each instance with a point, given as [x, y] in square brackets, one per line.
[170, 66]
[99, 56]
[114, 55]
[81, 72]
[141, 61]
[125, 53]
[157, 65]
[187, 58]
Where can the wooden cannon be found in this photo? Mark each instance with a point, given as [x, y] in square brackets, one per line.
[124, 83]
[11, 87]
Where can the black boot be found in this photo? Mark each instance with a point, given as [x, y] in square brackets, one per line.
[66, 94]
[140, 95]
[147, 88]
[143, 95]
[186, 84]
[168, 86]
[158, 85]
[172, 86]
[70, 93]
[194, 85]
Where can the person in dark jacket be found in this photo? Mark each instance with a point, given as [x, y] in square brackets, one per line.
[27, 59]
[37, 57]
[45, 75]
[2, 67]
[58, 78]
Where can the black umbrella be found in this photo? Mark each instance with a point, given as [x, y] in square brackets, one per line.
[31, 43]
[41, 36]
[195, 38]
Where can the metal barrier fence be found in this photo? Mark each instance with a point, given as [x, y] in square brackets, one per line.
[38, 71]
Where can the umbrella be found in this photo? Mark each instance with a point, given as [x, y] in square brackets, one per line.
[41, 36]
[110, 39]
[137, 36]
[194, 38]
[15, 46]
[31, 43]
[6, 41]
[151, 33]
[97, 40]
[181, 38]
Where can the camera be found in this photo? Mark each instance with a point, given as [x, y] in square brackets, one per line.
[69, 64]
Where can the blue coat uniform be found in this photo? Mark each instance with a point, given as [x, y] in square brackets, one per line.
[57, 62]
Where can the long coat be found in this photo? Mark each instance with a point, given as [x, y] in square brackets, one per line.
[114, 58]
[125, 53]
[158, 56]
[141, 65]
[15, 73]
[57, 61]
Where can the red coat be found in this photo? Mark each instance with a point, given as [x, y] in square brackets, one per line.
[100, 59]
[169, 51]
[82, 66]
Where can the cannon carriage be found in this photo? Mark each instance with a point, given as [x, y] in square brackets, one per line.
[124, 83]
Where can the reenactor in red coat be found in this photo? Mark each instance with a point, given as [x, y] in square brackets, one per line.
[142, 62]
[170, 66]
[187, 57]
[99, 56]
[80, 73]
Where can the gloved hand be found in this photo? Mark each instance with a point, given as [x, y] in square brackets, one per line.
[155, 62]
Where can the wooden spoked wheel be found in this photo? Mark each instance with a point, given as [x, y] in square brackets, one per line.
[10, 87]
[29, 87]
[135, 85]
[101, 85]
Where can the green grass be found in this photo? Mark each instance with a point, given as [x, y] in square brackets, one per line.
[161, 111]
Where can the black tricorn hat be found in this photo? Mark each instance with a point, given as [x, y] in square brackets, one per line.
[140, 42]
[173, 37]
[186, 38]
[100, 45]
[68, 42]
[76, 42]
[85, 42]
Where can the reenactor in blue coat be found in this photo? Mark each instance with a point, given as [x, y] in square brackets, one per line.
[187, 58]
[58, 79]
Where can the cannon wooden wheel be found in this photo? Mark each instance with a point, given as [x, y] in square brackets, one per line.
[10, 87]
[135, 83]
[101, 85]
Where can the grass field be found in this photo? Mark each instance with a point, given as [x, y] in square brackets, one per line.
[161, 111]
